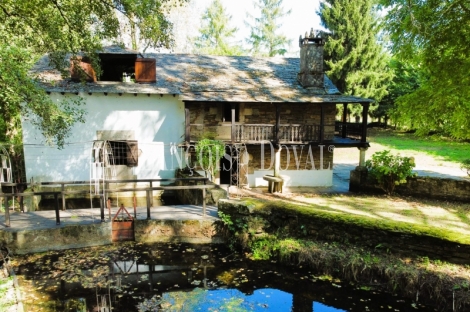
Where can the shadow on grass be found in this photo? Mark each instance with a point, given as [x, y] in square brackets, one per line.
[436, 218]
[436, 146]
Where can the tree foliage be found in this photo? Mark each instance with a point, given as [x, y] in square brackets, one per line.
[434, 36]
[265, 39]
[406, 79]
[355, 60]
[216, 32]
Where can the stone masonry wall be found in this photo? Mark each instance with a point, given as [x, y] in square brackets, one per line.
[288, 157]
[428, 187]
[315, 227]
[208, 115]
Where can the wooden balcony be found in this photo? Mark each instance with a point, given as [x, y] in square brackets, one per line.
[258, 133]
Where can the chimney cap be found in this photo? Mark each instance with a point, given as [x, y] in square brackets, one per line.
[313, 38]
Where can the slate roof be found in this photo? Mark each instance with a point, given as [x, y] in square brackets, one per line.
[211, 78]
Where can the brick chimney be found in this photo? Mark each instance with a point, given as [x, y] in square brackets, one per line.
[311, 61]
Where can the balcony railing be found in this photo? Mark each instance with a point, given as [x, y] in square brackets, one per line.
[257, 133]
[253, 133]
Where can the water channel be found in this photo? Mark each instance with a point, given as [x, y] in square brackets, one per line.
[130, 277]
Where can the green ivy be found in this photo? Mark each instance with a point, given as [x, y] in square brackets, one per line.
[390, 170]
[208, 153]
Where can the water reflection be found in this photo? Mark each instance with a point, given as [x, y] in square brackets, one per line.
[179, 277]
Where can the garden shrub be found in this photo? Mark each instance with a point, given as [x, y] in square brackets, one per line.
[390, 170]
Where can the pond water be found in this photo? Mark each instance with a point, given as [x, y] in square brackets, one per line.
[182, 277]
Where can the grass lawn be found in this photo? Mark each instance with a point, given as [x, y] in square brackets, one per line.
[436, 146]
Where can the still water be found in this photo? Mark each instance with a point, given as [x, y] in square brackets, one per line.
[130, 277]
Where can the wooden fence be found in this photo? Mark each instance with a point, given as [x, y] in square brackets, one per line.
[17, 190]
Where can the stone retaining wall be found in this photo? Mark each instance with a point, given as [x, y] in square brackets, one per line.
[428, 187]
[60, 238]
[272, 219]
[181, 231]
[96, 234]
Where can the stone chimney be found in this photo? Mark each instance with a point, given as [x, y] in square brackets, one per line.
[311, 61]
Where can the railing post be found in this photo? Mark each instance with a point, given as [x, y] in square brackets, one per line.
[63, 195]
[204, 201]
[108, 205]
[148, 203]
[134, 203]
[7, 211]
[102, 207]
[151, 198]
[57, 214]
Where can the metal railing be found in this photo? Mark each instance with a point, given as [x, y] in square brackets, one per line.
[106, 190]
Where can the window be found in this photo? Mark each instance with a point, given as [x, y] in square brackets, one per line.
[114, 65]
[124, 153]
[227, 112]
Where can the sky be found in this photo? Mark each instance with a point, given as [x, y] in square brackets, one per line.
[303, 17]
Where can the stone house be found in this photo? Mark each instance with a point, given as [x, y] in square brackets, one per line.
[276, 116]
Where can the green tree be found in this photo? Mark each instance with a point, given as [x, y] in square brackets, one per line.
[145, 22]
[406, 79]
[216, 32]
[265, 39]
[434, 35]
[356, 61]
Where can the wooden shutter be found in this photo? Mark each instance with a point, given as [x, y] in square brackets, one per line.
[132, 153]
[145, 70]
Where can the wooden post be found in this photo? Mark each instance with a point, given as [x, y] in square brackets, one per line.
[7, 211]
[108, 205]
[63, 196]
[148, 203]
[187, 122]
[278, 122]
[134, 202]
[57, 214]
[102, 207]
[365, 113]
[345, 113]
[151, 198]
[233, 123]
[322, 123]
[204, 202]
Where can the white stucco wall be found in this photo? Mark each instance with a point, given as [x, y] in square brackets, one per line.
[156, 121]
